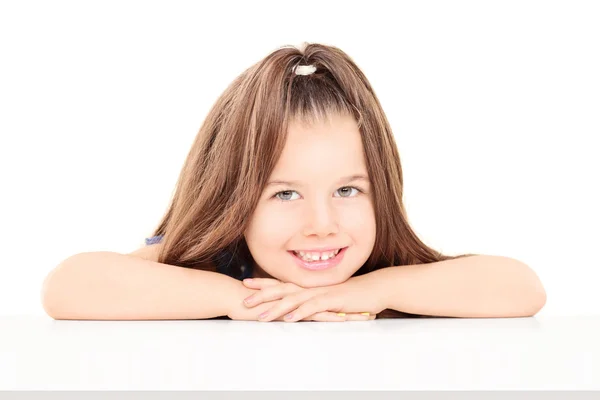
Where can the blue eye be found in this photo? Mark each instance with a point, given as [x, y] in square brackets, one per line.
[287, 193]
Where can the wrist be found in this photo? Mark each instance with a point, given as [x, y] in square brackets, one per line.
[235, 294]
[380, 283]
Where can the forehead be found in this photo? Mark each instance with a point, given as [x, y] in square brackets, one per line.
[333, 142]
[322, 150]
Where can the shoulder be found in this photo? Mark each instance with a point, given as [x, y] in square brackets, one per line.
[150, 251]
[147, 252]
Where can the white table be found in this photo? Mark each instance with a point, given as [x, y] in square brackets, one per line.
[551, 353]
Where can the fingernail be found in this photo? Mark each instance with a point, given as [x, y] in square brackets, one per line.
[263, 315]
[249, 299]
[289, 316]
[341, 314]
[248, 280]
[365, 313]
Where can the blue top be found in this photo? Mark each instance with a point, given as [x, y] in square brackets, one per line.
[226, 262]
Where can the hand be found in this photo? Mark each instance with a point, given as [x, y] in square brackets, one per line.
[273, 289]
[242, 311]
[355, 296]
[239, 311]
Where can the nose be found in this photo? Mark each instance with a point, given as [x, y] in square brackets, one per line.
[321, 220]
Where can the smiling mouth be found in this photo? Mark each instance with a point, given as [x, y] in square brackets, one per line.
[317, 256]
[320, 264]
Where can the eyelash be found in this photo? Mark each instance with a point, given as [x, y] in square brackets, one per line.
[343, 187]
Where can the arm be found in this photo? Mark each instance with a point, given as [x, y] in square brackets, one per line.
[476, 286]
[114, 286]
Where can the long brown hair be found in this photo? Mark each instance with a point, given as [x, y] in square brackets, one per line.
[242, 138]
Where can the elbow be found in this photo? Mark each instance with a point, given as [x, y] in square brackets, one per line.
[58, 287]
[523, 292]
[48, 297]
[534, 292]
[538, 299]
[50, 292]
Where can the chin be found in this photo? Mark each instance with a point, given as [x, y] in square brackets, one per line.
[315, 281]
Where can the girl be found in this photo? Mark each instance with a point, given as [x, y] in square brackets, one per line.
[294, 179]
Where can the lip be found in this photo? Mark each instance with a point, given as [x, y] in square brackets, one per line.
[320, 265]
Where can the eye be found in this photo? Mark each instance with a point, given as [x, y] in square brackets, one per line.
[286, 193]
[346, 191]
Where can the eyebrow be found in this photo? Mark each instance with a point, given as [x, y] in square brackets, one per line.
[344, 180]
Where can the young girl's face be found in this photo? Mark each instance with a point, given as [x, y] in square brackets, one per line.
[318, 208]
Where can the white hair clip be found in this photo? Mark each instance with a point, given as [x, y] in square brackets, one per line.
[304, 69]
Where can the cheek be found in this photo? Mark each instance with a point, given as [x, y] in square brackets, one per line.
[269, 229]
[359, 219]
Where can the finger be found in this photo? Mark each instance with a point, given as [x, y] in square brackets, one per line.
[259, 283]
[312, 306]
[359, 317]
[329, 316]
[270, 294]
[289, 305]
[325, 316]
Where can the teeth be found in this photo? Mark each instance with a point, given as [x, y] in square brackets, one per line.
[310, 257]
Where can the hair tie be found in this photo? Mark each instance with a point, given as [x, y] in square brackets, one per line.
[304, 69]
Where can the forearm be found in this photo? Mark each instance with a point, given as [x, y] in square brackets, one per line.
[477, 286]
[113, 286]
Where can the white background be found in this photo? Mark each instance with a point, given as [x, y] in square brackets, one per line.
[495, 107]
